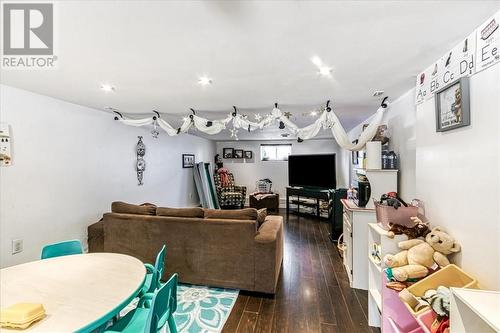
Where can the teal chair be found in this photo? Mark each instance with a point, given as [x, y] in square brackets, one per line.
[151, 319]
[154, 273]
[65, 248]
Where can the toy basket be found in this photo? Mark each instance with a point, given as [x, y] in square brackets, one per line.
[264, 186]
[449, 276]
[387, 215]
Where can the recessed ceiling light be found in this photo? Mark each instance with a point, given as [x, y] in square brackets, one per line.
[317, 61]
[325, 71]
[204, 81]
[377, 93]
[314, 113]
[107, 87]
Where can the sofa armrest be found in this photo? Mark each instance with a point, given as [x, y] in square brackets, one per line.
[95, 237]
[268, 231]
[268, 255]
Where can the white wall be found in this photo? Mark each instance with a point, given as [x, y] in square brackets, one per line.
[458, 177]
[70, 162]
[248, 172]
[400, 119]
[456, 173]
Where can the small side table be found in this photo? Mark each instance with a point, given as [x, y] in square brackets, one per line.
[271, 201]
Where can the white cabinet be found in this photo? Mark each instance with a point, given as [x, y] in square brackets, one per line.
[355, 229]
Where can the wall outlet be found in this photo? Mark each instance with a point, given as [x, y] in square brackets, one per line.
[17, 246]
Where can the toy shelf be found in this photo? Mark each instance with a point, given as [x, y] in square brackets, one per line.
[473, 310]
[376, 279]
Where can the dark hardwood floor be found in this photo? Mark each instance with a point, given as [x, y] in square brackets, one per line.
[313, 289]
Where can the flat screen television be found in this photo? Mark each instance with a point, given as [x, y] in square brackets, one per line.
[317, 171]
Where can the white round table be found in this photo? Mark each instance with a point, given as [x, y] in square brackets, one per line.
[79, 292]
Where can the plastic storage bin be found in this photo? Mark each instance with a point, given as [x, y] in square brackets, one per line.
[426, 319]
[449, 276]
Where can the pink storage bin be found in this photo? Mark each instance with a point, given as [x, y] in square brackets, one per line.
[387, 215]
[426, 319]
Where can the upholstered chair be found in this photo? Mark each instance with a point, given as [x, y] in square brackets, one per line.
[229, 194]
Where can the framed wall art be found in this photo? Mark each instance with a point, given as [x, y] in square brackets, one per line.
[238, 153]
[227, 152]
[453, 106]
[188, 160]
[248, 154]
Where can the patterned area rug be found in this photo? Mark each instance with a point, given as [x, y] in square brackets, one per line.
[200, 309]
[203, 309]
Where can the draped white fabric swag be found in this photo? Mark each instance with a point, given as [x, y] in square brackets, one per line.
[327, 119]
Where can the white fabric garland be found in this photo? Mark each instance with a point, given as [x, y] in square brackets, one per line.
[327, 119]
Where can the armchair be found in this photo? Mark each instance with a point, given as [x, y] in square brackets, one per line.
[229, 194]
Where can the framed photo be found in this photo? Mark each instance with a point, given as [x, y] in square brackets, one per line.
[452, 106]
[238, 153]
[354, 154]
[227, 152]
[188, 160]
[248, 154]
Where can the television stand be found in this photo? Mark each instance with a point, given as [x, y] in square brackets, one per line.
[310, 198]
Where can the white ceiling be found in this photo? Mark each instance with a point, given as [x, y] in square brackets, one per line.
[257, 53]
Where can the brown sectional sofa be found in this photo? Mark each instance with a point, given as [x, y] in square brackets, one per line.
[233, 249]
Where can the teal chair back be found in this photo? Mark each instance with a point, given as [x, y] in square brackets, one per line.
[154, 273]
[62, 249]
[160, 264]
[163, 306]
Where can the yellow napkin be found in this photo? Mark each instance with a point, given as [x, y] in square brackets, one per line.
[21, 315]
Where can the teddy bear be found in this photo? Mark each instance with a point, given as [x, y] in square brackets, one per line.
[421, 256]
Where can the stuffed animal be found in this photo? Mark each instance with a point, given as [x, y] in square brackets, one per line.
[420, 229]
[419, 257]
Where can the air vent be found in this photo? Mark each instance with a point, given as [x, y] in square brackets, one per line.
[377, 93]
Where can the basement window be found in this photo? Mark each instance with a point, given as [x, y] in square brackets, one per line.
[275, 152]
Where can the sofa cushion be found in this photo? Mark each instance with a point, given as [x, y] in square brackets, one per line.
[126, 208]
[180, 212]
[232, 214]
[261, 216]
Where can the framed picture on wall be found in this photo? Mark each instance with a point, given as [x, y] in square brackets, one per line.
[227, 152]
[188, 160]
[248, 154]
[453, 106]
[238, 153]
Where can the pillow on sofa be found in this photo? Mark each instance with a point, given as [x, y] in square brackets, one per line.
[180, 212]
[232, 214]
[261, 216]
[126, 208]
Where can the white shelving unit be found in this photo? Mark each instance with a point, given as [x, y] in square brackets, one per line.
[473, 310]
[377, 235]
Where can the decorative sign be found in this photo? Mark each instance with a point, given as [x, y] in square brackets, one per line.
[478, 51]
[457, 63]
[5, 141]
[488, 37]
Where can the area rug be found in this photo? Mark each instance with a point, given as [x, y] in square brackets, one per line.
[200, 309]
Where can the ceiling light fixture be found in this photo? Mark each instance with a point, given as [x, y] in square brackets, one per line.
[314, 113]
[107, 87]
[317, 61]
[325, 71]
[204, 81]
